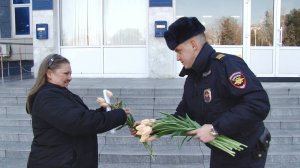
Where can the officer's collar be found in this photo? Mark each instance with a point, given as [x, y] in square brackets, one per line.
[201, 61]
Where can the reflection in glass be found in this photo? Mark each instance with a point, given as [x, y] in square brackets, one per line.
[262, 23]
[290, 22]
[21, 1]
[223, 25]
[22, 21]
[125, 22]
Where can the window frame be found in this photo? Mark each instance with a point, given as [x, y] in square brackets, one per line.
[13, 19]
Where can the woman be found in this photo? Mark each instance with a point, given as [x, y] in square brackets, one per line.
[65, 129]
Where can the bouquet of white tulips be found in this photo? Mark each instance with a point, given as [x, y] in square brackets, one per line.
[178, 126]
[150, 129]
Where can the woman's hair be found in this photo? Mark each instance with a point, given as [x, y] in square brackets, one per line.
[52, 62]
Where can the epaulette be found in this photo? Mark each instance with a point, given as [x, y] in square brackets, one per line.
[220, 56]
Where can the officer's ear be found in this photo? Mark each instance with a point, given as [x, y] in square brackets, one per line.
[194, 44]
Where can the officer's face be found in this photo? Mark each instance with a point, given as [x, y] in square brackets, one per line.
[186, 54]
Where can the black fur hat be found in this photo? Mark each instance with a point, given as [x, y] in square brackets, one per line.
[181, 30]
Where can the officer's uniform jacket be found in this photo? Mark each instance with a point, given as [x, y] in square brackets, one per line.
[221, 90]
[65, 130]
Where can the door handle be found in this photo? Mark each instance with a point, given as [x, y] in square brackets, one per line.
[280, 36]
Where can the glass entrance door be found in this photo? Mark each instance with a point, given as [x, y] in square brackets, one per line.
[275, 38]
[288, 41]
[262, 55]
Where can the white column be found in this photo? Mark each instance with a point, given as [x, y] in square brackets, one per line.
[161, 59]
[44, 47]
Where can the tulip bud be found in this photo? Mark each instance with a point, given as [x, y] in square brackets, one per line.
[109, 93]
[100, 100]
[151, 138]
[104, 105]
[145, 121]
[147, 130]
[144, 138]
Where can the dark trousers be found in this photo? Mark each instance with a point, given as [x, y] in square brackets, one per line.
[248, 159]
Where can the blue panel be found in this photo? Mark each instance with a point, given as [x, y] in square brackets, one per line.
[4, 3]
[160, 28]
[160, 3]
[4, 14]
[22, 21]
[5, 30]
[42, 31]
[42, 4]
[21, 1]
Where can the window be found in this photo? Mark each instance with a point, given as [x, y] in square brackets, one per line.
[262, 23]
[223, 22]
[125, 22]
[21, 14]
[21, 1]
[81, 22]
[290, 22]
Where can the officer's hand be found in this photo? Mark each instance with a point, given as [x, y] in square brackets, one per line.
[133, 130]
[202, 134]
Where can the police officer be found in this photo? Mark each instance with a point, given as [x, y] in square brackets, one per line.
[222, 94]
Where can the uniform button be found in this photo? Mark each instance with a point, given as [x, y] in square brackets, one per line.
[260, 155]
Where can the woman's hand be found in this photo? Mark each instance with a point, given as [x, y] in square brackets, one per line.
[127, 111]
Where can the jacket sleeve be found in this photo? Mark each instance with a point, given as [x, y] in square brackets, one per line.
[251, 100]
[64, 113]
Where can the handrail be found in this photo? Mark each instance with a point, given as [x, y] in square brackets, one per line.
[16, 43]
[20, 54]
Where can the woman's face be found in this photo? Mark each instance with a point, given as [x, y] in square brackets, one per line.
[60, 76]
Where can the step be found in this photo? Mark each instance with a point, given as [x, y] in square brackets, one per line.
[145, 99]
[13, 162]
[284, 137]
[15, 109]
[97, 91]
[151, 110]
[22, 163]
[123, 136]
[272, 124]
[164, 154]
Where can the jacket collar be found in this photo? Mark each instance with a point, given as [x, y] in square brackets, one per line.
[201, 61]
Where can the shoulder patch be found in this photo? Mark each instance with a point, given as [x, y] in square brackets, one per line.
[219, 56]
[238, 80]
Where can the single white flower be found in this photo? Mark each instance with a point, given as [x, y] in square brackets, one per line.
[100, 100]
[144, 138]
[145, 121]
[104, 105]
[151, 138]
[109, 93]
[147, 130]
[140, 129]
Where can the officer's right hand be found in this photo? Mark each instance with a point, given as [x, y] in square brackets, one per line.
[202, 134]
[132, 130]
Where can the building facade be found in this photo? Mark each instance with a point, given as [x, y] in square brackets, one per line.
[118, 38]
